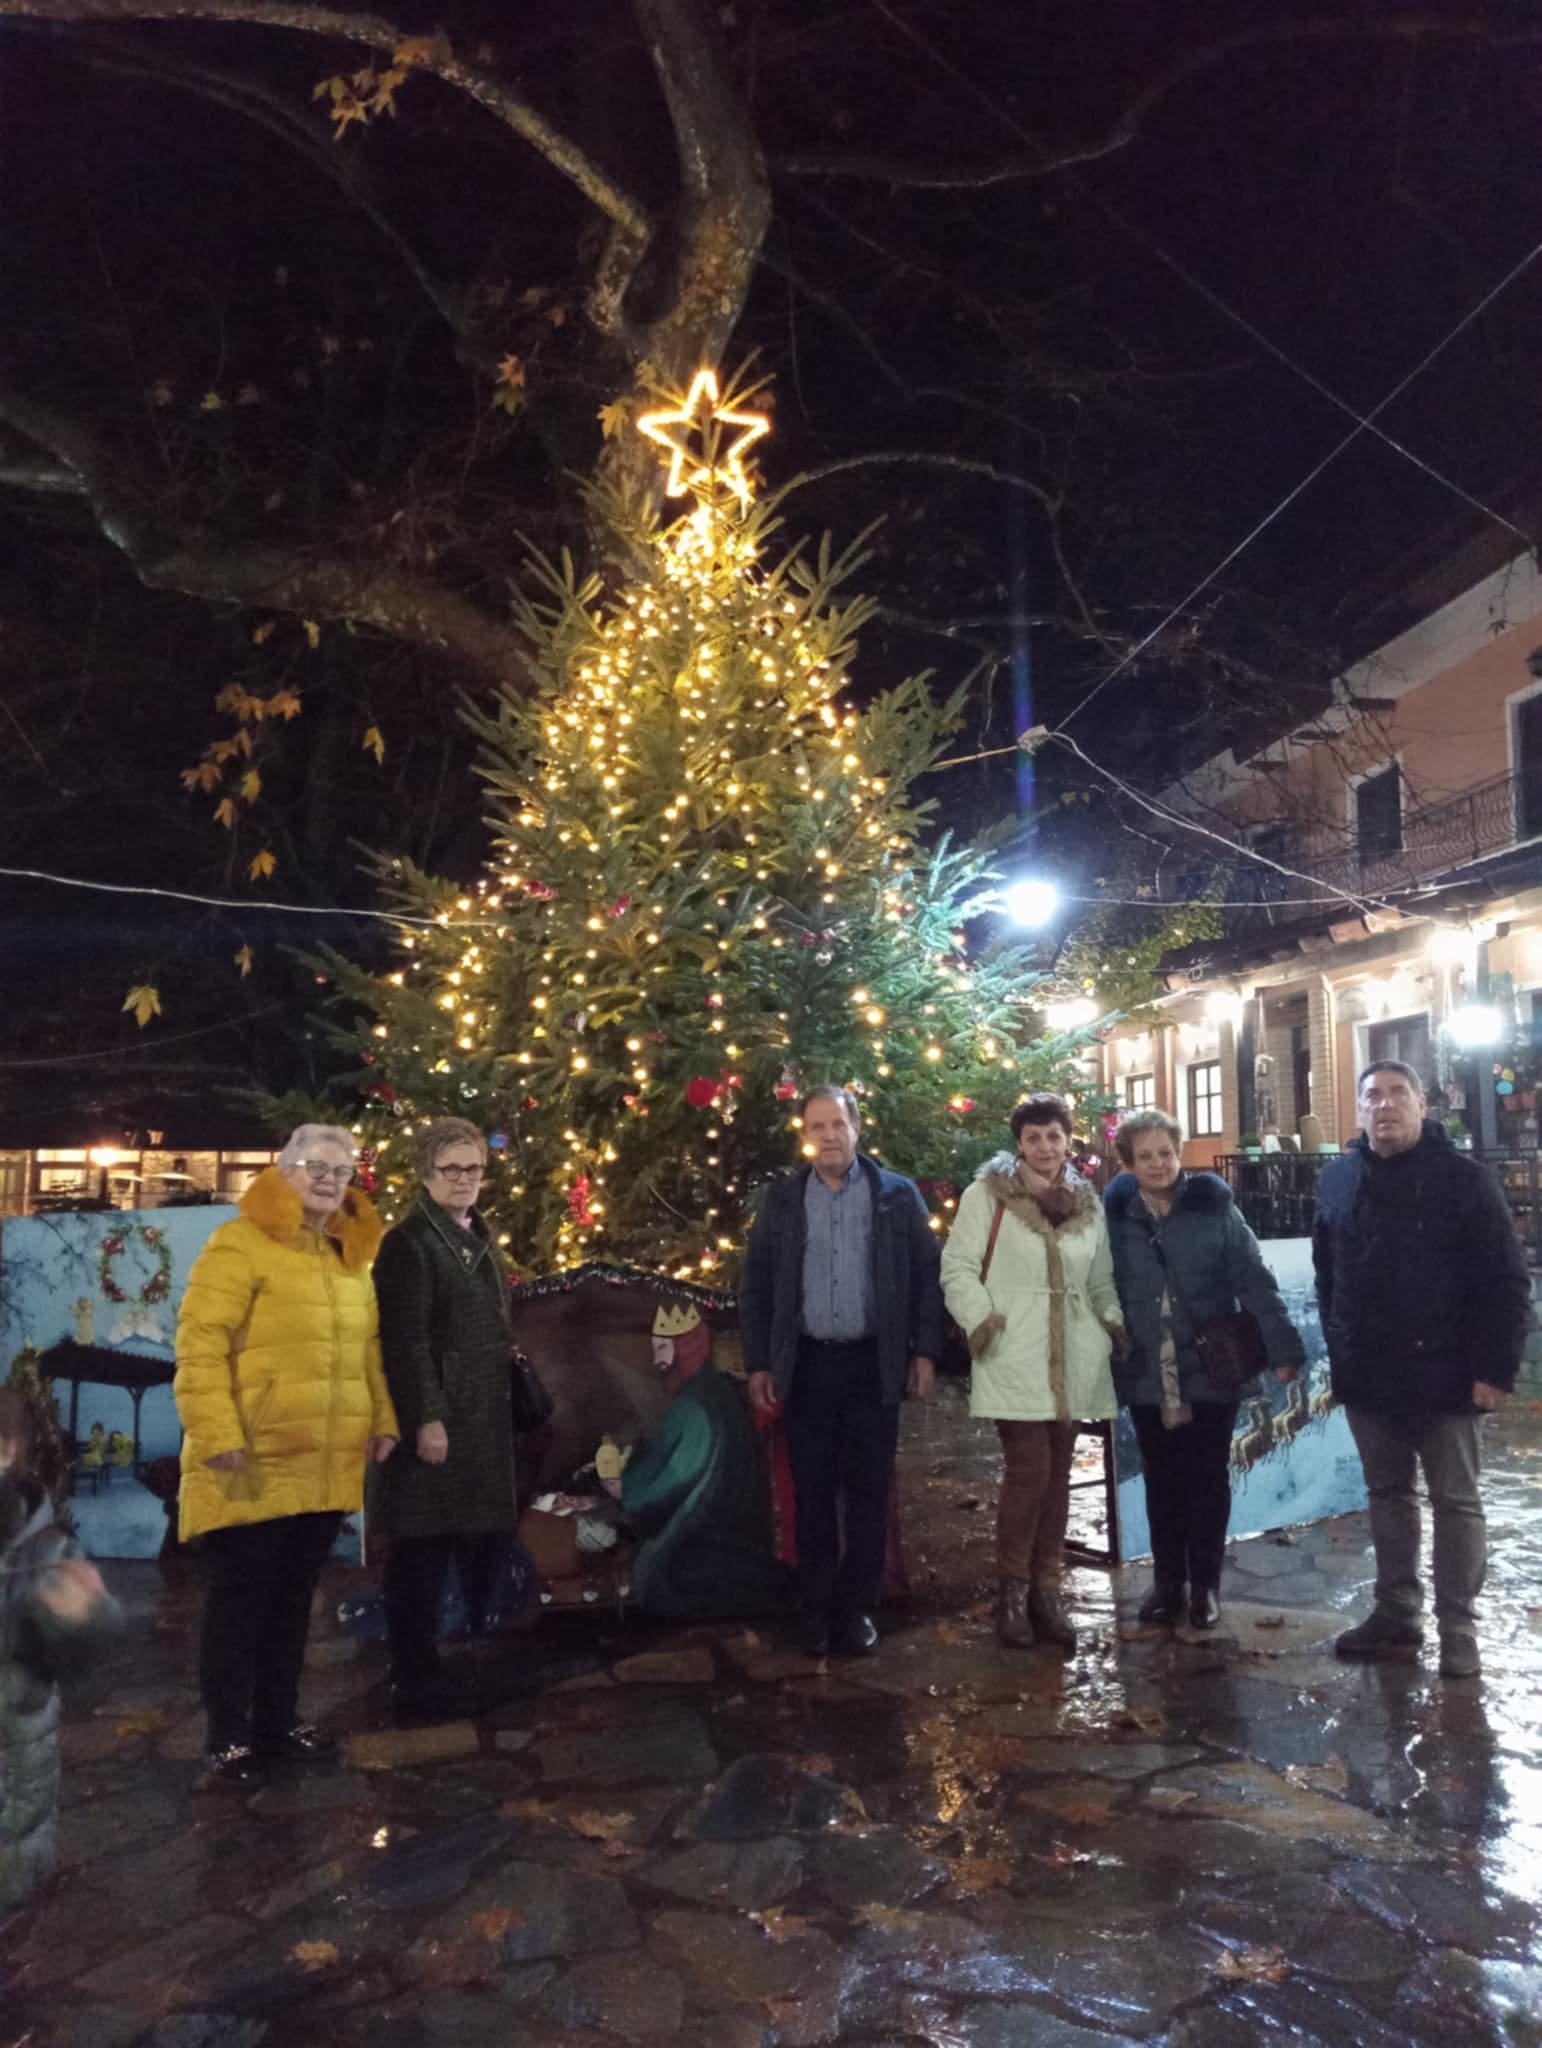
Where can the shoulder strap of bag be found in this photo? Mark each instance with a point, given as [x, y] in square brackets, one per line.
[990, 1242]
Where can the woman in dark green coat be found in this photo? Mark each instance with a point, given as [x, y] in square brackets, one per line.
[448, 1495]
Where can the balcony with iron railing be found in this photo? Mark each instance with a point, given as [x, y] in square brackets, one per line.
[1437, 840]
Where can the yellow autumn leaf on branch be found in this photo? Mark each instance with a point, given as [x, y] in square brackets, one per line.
[211, 402]
[284, 704]
[374, 743]
[205, 776]
[225, 813]
[512, 371]
[312, 632]
[263, 632]
[614, 418]
[251, 786]
[262, 866]
[243, 960]
[417, 50]
[143, 1003]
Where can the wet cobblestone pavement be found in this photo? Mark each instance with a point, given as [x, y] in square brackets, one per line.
[700, 1837]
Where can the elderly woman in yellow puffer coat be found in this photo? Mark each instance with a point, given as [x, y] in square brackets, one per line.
[282, 1398]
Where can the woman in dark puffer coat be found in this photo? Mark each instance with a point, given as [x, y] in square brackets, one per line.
[1182, 1256]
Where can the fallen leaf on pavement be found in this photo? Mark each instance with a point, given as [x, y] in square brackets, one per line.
[527, 1809]
[314, 1955]
[1147, 1719]
[949, 1632]
[980, 1873]
[1270, 1621]
[1062, 1856]
[494, 1926]
[131, 1726]
[1087, 1813]
[1254, 1966]
[780, 1924]
[891, 1919]
[600, 1827]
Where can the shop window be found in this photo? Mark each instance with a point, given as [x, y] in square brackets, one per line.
[1206, 1115]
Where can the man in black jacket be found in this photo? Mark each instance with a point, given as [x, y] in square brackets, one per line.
[1426, 1302]
[841, 1315]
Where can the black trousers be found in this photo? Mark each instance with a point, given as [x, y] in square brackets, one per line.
[255, 1622]
[1188, 1491]
[841, 1440]
[415, 1576]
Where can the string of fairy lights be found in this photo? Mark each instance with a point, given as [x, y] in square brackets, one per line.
[646, 691]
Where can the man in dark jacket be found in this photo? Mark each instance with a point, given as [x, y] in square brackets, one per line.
[1426, 1302]
[841, 1315]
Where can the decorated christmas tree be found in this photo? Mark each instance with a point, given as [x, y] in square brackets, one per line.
[710, 886]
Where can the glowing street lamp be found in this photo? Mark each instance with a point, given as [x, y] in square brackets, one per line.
[1031, 902]
[1475, 1026]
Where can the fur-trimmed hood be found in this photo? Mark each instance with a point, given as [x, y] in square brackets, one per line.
[1199, 1194]
[272, 1204]
[999, 1175]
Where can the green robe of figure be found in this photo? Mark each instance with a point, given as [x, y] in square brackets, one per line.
[697, 1494]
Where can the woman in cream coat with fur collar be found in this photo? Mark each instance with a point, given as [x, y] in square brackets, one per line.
[1028, 1274]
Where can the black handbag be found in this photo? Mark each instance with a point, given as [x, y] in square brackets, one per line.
[530, 1405]
[1230, 1346]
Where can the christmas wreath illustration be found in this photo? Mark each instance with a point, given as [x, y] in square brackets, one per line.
[158, 1286]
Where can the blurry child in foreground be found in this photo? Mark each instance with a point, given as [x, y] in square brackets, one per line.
[55, 1616]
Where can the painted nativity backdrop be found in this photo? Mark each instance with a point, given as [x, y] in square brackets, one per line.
[92, 1300]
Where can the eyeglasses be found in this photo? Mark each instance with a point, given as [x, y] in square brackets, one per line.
[323, 1169]
[461, 1172]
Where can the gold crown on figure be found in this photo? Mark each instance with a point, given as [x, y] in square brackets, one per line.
[674, 1322]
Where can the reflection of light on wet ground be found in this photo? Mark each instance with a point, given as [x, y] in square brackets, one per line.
[1513, 1858]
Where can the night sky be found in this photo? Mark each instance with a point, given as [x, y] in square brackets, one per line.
[1354, 198]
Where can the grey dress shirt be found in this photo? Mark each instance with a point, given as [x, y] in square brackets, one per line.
[837, 1260]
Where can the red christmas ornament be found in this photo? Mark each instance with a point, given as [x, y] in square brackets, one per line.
[578, 1202]
[530, 1103]
[700, 1092]
[620, 907]
[962, 1107]
[785, 1091]
[807, 939]
[541, 891]
[729, 1079]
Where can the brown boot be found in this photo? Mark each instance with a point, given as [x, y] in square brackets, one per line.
[1051, 1623]
[1012, 1623]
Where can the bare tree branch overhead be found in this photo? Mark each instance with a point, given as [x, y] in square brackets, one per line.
[1420, 26]
[317, 585]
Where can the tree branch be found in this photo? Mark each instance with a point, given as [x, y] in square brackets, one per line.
[1127, 125]
[917, 458]
[244, 96]
[289, 579]
[42, 477]
[725, 202]
[632, 226]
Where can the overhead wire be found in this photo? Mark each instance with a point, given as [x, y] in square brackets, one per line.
[1262, 526]
[118, 1052]
[392, 917]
